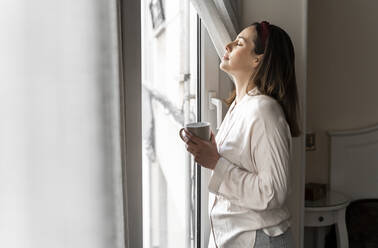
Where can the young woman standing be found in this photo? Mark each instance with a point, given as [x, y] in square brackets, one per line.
[250, 156]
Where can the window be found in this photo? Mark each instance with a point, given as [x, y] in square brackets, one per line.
[169, 99]
[180, 66]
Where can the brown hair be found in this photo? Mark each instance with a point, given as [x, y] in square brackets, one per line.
[275, 75]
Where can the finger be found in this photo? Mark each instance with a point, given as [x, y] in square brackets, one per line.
[190, 146]
[193, 137]
[189, 142]
[212, 138]
[193, 144]
[191, 150]
[197, 160]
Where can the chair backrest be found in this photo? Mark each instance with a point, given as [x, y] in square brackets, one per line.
[354, 172]
[354, 162]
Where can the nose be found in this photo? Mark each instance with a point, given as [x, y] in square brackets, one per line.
[228, 47]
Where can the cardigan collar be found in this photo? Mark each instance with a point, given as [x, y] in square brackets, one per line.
[253, 92]
[229, 123]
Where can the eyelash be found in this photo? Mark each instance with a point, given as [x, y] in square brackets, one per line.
[239, 44]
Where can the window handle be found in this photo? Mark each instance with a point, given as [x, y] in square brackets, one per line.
[216, 103]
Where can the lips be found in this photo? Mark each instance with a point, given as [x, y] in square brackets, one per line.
[226, 57]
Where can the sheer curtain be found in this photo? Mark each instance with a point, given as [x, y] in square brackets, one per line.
[220, 20]
[60, 163]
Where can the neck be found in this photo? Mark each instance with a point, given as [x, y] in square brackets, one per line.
[241, 84]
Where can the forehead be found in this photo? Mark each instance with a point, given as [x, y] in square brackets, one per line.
[249, 33]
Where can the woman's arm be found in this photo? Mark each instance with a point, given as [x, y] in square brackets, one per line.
[267, 188]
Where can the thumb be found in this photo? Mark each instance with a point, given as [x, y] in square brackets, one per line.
[212, 137]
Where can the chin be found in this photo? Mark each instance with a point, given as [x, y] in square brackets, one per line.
[223, 67]
[226, 69]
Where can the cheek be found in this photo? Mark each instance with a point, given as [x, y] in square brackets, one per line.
[239, 60]
[240, 56]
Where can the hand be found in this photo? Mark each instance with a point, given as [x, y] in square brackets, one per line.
[205, 152]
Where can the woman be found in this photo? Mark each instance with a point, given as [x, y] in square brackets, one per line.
[250, 156]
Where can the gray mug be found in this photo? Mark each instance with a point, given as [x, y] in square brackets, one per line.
[199, 129]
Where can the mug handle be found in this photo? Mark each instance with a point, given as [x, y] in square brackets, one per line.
[181, 134]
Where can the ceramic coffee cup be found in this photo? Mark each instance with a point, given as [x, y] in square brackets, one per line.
[199, 129]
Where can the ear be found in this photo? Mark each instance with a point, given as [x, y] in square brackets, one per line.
[256, 60]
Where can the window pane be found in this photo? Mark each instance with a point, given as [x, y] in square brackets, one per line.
[169, 56]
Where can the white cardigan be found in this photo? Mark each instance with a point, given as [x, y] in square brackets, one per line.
[250, 182]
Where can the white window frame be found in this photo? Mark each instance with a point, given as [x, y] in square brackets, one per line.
[209, 82]
[212, 79]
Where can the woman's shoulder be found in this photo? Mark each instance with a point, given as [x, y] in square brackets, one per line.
[268, 114]
[265, 107]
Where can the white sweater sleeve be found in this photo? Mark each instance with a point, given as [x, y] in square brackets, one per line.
[266, 188]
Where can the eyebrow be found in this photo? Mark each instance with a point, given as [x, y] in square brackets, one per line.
[241, 38]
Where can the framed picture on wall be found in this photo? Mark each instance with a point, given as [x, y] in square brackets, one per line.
[157, 14]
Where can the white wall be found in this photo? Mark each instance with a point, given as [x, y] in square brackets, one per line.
[342, 74]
